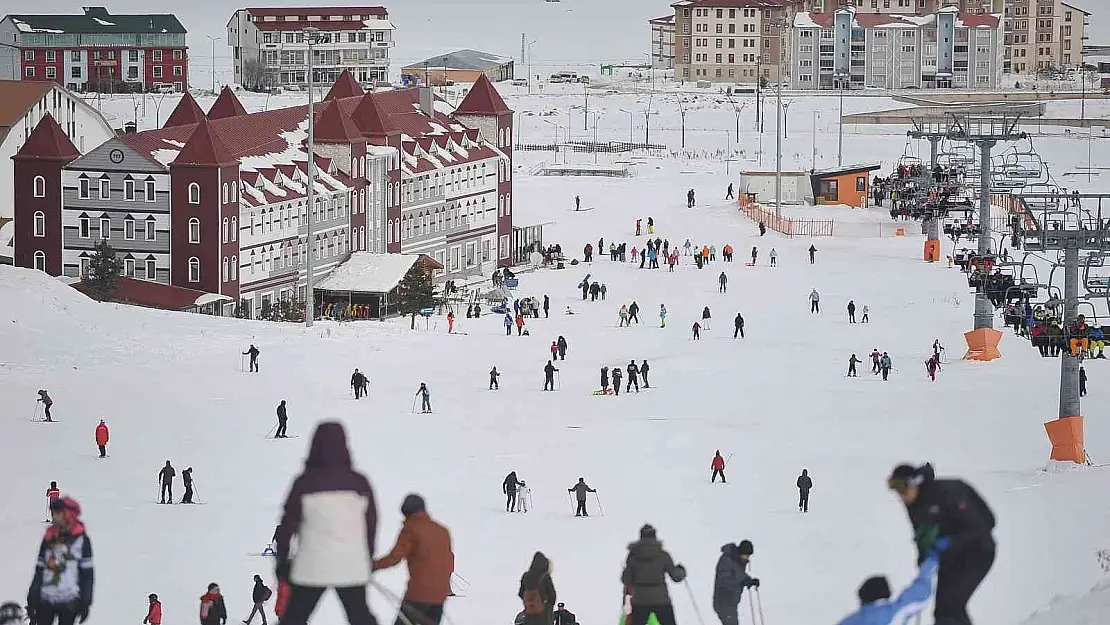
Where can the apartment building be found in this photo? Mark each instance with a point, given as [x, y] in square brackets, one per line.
[735, 41]
[662, 42]
[1043, 35]
[919, 7]
[852, 50]
[269, 49]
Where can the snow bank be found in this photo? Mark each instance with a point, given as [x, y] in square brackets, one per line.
[1090, 608]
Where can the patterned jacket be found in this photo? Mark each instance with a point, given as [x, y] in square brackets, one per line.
[64, 572]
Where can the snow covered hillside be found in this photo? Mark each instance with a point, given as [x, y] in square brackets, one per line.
[170, 387]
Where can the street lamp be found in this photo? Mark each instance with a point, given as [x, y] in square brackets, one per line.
[555, 144]
[682, 114]
[785, 111]
[841, 79]
[597, 116]
[312, 36]
[631, 139]
[530, 66]
[586, 104]
[816, 116]
[214, 40]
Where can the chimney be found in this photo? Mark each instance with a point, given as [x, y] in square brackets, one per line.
[427, 101]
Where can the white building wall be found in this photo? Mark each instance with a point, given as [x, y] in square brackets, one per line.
[9, 56]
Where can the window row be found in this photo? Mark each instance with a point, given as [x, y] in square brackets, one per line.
[84, 227]
[454, 180]
[104, 188]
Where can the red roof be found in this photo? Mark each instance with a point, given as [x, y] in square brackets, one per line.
[48, 142]
[369, 119]
[227, 105]
[874, 20]
[324, 25]
[204, 148]
[733, 4]
[321, 11]
[332, 126]
[345, 87]
[482, 99]
[187, 111]
[153, 294]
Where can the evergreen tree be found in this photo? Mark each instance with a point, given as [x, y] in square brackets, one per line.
[415, 292]
[102, 280]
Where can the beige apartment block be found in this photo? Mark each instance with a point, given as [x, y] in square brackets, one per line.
[1043, 35]
[730, 41]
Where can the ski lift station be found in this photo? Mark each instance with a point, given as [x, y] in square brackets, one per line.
[848, 186]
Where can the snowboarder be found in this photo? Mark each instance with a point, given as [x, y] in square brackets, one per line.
[718, 467]
[563, 616]
[426, 546]
[537, 592]
[723, 283]
[213, 611]
[633, 376]
[774, 256]
[865, 318]
[876, 606]
[580, 489]
[738, 326]
[617, 375]
[644, 572]
[662, 316]
[1082, 381]
[165, 477]
[706, 318]
[549, 377]
[805, 484]
[283, 421]
[852, 362]
[730, 581]
[562, 343]
[425, 398]
[814, 301]
[358, 382]
[260, 594]
[187, 478]
[948, 516]
[509, 488]
[697, 331]
[605, 380]
[62, 585]
[812, 252]
[885, 365]
[102, 438]
[44, 397]
[253, 353]
[690, 198]
[153, 611]
[493, 375]
[851, 311]
[644, 368]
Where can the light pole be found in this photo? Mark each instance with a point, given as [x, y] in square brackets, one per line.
[555, 144]
[586, 104]
[630, 114]
[785, 116]
[597, 116]
[311, 36]
[530, 43]
[682, 114]
[213, 40]
[816, 116]
[840, 132]
[779, 127]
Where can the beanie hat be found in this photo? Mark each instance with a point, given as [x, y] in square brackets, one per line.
[647, 531]
[903, 476]
[746, 548]
[874, 589]
[412, 504]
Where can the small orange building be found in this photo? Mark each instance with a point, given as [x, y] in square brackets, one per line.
[850, 186]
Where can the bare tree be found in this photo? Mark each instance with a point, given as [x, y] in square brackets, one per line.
[254, 75]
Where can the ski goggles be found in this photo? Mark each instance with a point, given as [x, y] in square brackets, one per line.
[900, 484]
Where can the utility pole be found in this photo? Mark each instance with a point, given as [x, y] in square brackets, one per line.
[780, 126]
[530, 43]
[311, 35]
[213, 40]
[813, 163]
[840, 132]
[522, 48]
[586, 104]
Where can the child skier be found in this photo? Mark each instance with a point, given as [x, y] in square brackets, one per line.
[425, 398]
[522, 495]
[662, 316]
[46, 404]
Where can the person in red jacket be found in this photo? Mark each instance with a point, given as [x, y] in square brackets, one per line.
[718, 467]
[52, 494]
[154, 612]
[102, 438]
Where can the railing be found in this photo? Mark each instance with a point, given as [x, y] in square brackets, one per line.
[784, 225]
[608, 147]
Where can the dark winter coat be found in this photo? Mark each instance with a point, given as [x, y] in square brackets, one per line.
[804, 482]
[549, 370]
[952, 509]
[538, 578]
[644, 368]
[511, 484]
[634, 309]
[357, 379]
[851, 308]
[281, 414]
[64, 569]
[260, 592]
[565, 617]
[580, 489]
[739, 321]
[331, 510]
[730, 580]
[187, 476]
[167, 474]
[546, 302]
[212, 609]
[562, 344]
[605, 377]
[633, 370]
[644, 572]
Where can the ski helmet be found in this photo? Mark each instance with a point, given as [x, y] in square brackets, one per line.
[874, 589]
[746, 547]
[67, 504]
[903, 476]
[10, 613]
[152, 597]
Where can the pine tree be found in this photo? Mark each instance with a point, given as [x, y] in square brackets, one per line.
[415, 292]
[102, 280]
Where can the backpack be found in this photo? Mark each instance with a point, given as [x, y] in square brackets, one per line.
[267, 593]
[533, 601]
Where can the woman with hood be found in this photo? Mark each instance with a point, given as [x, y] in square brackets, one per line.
[730, 581]
[644, 573]
[62, 585]
[331, 510]
[537, 591]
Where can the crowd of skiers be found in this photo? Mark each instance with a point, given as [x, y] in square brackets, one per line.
[636, 372]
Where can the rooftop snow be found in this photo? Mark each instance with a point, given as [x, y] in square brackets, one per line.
[366, 272]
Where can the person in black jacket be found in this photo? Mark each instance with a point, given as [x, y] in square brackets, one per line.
[549, 377]
[537, 591]
[62, 585]
[509, 488]
[493, 375]
[358, 382]
[738, 326]
[562, 345]
[644, 572]
[253, 353]
[730, 580]
[950, 517]
[804, 486]
[187, 478]
[563, 616]
[259, 596]
[605, 380]
[283, 419]
[633, 376]
[644, 369]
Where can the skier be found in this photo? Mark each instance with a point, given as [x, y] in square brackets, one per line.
[617, 375]
[728, 193]
[623, 315]
[562, 343]
[931, 367]
[948, 516]
[153, 611]
[814, 301]
[187, 478]
[876, 608]
[812, 252]
[876, 361]
[358, 382]
[260, 594]
[633, 376]
[644, 368]
[885, 365]
[851, 311]
[425, 398]
[690, 198]
[537, 592]
[852, 362]
[425, 545]
[524, 494]
[283, 420]
[563, 616]
[723, 283]
[805, 484]
[938, 349]
[697, 331]
[253, 353]
[662, 316]
[644, 572]
[738, 326]
[774, 256]
[549, 377]
[1082, 381]
[865, 318]
[554, 349]
[165, 477]
[706, 318]
[46, 404]
[519, 324]
[605, 380]
[450, 322]
[493, 375]
[730, 581]
[509, 324]
[755, 254]
[718, 467]
[602, 290]
[509, 487]
[62, 585]
[686, 248]
[580, 489]
[102, 438]
[633, 313]
[213, 611]
[637, 234]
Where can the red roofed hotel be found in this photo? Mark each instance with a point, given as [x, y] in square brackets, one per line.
[215, 201]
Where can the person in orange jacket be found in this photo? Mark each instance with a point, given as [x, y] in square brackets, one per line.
[154, 612]
[426, 547]
[102, 438]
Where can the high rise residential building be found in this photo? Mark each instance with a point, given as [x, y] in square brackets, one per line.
[736, 41]
[662, 42]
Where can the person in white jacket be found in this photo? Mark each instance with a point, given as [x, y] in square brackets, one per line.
[814, 301]
[865, 318]
[523, 495]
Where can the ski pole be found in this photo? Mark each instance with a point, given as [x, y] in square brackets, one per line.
[751, 606]
[413, 404]
[196, 491]
[759, 604]
[35, 416]
[464, 580]
[388, 594]
[241, 367]
[271, 430]
[697, 610]
[600, 508]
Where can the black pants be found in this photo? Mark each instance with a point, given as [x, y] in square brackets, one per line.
[641, 613]
[510, 500]
[717, 472]
[815, 307]
[259, 608]
[426, 404]
[1082, 389]
[803, 500]
[644, 374]
[545, 316]
[46, 410]
[281, 428]
[874, 366]
[103, 450]
[957, 580]
[419, 613]
[493, 384]
[562, 354]
[358, 392]
[303, 600]
[632, 381]
[852, 369]
[254, 365]
[851, 317]
[549, 383]
[167, 491]
[886, 372]
[188, 497]
[723, 288]
[65, 614]
[738, 330]
[581, 509]
[728, 616]
[616, 386]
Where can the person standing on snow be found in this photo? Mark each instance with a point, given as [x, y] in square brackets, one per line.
[722, 283]
[706, 318]
[617, 375]
[812, 252]
[524, 495]
[948, 517]
[644, 368]
[253, 353]
[425, 398]
[738, 326]
[426, 548]
[662, 316]
[762, 228]
[633, 313]
[1082, 381]
[537, 592]
[549, 377]
[547, 303]
[633, 376]
[509, 488]
[885, 365]
[52, 494]
[728, 193]
[690, 198]
[580, 489]
[805, 484]
[774, 256]
[876, 606]
[165, 477]
[577, 203]
[187, 478]
[509, 324]
[718, 467]
[562, 343]
[623, 316]
[283, 421]
[563, 616]
[260, 594]
[153, 611]
[876, 361]
[554, 349]
[644, 572]
[44, 397]
[213, 611]
[865, 318]
[852, 362]
[605, 380]
[697, 331]
[730, 580]
[62, 585]
[102, 438]
[851, 311]
[931, 367]
[755, 254]
[358, 382]
[814, 301]
[493, 375]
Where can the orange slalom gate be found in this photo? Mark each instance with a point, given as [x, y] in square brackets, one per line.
[1066, 436]
[982, 344]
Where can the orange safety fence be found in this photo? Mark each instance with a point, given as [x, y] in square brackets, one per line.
[785, 225]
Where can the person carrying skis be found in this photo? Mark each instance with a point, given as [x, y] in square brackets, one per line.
[851, 311]
[425, 398]
[633, 376]
[774, 256]
[549, 377]
[509, 487]
[153, 611]
[662, 315]
[805, 484]
[697, 331]
[44, 398]
[876, 608]
[213, 611]
[876, 359]
[644, 572]
[885, 365]
[814, 301]
[537, 592]
[722, 283]
[165, 477]
[644, 368]
[562, 344]
[425, 546]
[580, 489]
[718, 467]
[187, 478]
[493, 375]
[617, 375]
[358, 382]
[738, 326]
[102, 438]
[62, 585]
[852, 362]
[253, 352]
[812, 252]
[260, 594]
[283, 421]
[949, 517]
[730, 580]
[605, 380]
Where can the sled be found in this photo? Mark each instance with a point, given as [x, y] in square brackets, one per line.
[746, 265]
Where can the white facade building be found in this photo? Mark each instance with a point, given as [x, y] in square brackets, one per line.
[662, 42]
